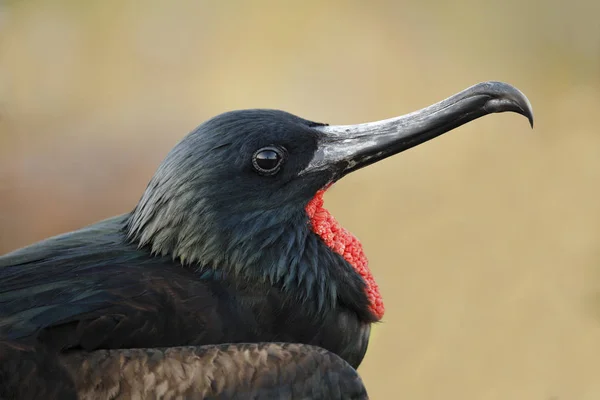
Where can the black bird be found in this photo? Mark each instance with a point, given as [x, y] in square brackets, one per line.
[229, 244]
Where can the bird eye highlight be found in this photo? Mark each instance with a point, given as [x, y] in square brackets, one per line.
[268, 160]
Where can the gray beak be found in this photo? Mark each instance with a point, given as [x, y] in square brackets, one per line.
[346, 148]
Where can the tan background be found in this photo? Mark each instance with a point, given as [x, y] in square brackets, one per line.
[486, 242]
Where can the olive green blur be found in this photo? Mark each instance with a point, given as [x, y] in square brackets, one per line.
[485, 242]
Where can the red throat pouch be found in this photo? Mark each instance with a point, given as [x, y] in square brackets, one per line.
[345, 244]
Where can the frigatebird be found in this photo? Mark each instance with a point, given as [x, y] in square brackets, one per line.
[228, 279]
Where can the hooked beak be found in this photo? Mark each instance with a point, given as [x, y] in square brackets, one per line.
[346, 148]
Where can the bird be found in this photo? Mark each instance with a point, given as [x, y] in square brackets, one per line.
[229, 278]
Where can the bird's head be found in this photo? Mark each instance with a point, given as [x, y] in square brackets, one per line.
[242, 194]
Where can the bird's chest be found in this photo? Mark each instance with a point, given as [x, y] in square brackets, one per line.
[339, 331]
[251, 314]
[344, 334]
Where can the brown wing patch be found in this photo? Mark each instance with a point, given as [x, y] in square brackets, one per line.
[232, 371]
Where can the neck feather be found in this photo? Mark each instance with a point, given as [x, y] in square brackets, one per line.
[290, 247]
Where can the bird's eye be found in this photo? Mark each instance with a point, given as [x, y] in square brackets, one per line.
[268, 160]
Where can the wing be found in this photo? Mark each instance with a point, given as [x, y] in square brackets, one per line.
[89, 289]
[234, 371]
[228, 371]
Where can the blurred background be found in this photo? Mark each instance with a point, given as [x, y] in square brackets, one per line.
[485, 242]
